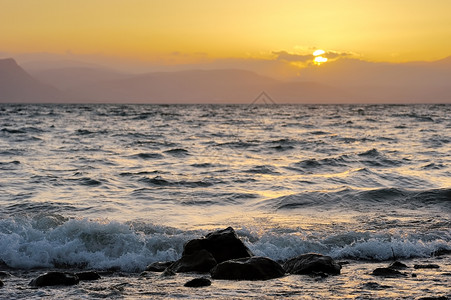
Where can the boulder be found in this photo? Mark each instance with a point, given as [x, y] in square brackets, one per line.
[159, 266]
[198, 282]
[200, 255]
[55, 278]
[88, 275]
[200, 261]
[387, 272]
[312, 263]
[250, 268]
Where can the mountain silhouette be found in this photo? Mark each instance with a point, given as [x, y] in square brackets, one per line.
[16, 85]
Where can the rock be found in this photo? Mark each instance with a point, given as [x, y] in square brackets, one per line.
[55, 278]
[159, 266]
[434, 298]
[222, 244]
[249, 268]
[88, 275]
[1, 284]
[4, 274]
[312, 263]
[200, 255]
[397, 265]
[428, 266]
[198, 282]
[441, 252]
[200, 261]
[387, 272]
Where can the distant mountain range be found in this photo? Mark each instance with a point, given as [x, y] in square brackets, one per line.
[341, 81]
[16, 85]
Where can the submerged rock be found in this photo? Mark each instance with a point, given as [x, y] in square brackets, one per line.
[253, 268]
[55, 278]
[428, 266]
[312, 263]
[200, 255]
[198, 282]
[159, 266]
[387, 272]
[88, 275]
[397, 265]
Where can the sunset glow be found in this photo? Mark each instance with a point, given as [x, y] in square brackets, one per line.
[186, 32]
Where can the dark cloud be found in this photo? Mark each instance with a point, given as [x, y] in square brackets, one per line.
[334, 54]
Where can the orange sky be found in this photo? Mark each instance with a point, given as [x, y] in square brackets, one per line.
[181, 31]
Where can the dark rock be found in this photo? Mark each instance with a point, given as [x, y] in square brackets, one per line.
[200, 261]
[1, 284]
[312, 263]
[375, 286]
[222, 244]
[4, 274]
[55, 278]
[387, 272]
[159, 266]
[249, 268]
[200, 255]
[88, 275]
[434, 298]
[441, 252]
[198, 282]
[428, 266]
[397, 265]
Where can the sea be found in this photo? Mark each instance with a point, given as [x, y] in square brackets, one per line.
[114, 188]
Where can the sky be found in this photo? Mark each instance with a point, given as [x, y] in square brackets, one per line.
[176, 32]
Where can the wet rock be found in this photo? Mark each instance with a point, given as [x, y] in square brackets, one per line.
[200, 261]
[4, 274]
[200, 255]
[55, 278]
[387, 272]
[88, 275]
[441, 252]
[375, 286]
[159, 266]
[312, 263]
[250, 268]
[1, 284]
[428, 266]
[198, 282]
[434, 298]
[397, 265]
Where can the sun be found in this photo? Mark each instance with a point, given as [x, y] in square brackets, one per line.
[319, 59]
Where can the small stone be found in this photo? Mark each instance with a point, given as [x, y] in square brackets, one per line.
[55, 278]
[397, 265]
[198, 282]
[159, 266]
[387, 272]
[88, 275]
[428, 266]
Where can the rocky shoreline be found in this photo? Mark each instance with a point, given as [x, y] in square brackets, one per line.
[221, 255]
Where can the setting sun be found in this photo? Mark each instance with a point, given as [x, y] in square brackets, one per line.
[319, 59]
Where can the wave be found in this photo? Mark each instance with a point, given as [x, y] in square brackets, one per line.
[361, 200]
[160, 181]
[50, 240]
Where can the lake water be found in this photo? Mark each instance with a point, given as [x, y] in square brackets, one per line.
[121, 186]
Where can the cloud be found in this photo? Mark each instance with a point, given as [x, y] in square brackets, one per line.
[335, 54]
[286, 56]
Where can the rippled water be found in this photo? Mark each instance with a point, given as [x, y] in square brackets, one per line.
[126, 185]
